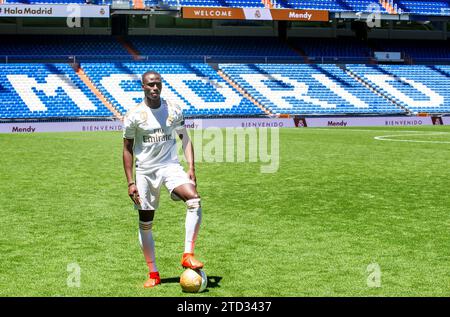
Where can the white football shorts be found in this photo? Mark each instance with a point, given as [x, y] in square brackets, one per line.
[149, 185]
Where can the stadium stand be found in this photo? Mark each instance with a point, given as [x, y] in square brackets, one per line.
[196, 48]
[48, 1]
[331, 5]
[417, 88]
[153, 3]
[420, 7]
[228, 76]
[307, 89]
[196, 87]
[342, 49]
[216, 3]
[204, 90]
[45, 91]
[32, 47]
[55, 90]
[429, 51]
[424, 7]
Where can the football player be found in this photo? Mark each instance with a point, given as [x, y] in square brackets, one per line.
[149, 137]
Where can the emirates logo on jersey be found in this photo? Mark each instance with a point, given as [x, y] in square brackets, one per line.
[157, 136]
[156, 139]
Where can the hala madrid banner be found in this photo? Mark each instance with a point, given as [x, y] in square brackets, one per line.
[254, 14]
[48, 11]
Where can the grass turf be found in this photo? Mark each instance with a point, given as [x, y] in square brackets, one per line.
[340, 201]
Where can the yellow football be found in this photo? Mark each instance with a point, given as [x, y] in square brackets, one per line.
[193, 281]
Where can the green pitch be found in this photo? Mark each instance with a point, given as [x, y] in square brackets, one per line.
[345, 215]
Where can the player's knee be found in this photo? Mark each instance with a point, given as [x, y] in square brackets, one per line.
[194, 196]
[194, 203]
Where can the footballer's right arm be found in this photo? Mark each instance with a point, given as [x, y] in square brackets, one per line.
[128, 167]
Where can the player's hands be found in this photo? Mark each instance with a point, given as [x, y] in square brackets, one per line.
[191, 175]
[134, 194]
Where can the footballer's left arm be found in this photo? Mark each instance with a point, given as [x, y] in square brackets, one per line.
[188, 150]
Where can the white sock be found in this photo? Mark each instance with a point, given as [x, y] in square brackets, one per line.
[147, 244]
[192, 225]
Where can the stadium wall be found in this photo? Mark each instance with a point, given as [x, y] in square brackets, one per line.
[216, 28]
[23, 26]
[91, 126]
[446, 120]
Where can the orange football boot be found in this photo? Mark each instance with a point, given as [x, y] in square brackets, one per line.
[189, 261]
[153, 280]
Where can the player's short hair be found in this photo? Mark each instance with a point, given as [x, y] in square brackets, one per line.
[150, 72]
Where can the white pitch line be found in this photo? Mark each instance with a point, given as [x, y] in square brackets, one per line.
[381, 138]
[385, 138]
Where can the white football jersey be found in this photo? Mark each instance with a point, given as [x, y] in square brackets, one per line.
[154, 134]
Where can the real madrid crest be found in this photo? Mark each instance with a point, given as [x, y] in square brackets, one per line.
[143, 116]
[169, 120]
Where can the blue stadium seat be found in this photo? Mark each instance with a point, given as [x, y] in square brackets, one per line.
[430, 51]
[418, 88]
[82, 46]
[46, 91]
[201, 46]
[307, 89]
[425, 7]
[196, 87]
